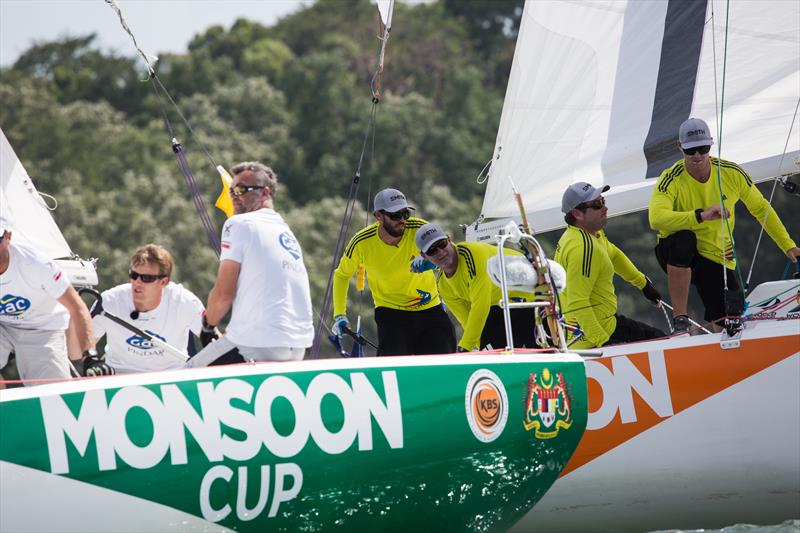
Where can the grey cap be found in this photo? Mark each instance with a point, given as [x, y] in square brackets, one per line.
[580, 192]
[391, 201]
[427, 235]
[694, 132]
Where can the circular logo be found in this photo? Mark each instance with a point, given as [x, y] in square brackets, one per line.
[290, 244]
[486, 405]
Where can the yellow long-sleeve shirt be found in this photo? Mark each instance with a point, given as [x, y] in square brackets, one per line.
[469, 292]
[391, 282]
[677, 195]
[589, 300]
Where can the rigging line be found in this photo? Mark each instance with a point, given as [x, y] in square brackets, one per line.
[153, 77]
[772, 193]
[341, 240]
[720, 115]
[113, 3]
[353, 193]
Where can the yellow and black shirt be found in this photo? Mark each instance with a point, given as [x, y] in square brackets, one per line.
[388, 269]
[589, 300]
[677, 195]
[469, 293]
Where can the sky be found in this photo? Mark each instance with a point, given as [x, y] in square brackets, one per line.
[159, 25]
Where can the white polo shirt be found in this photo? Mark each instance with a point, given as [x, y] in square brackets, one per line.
[272, 307]
[178, 313]
[29, 291]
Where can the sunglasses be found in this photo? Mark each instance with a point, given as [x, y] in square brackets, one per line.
[146, 278]
[697, 150]
[598, 203]
[397, 216]
[435, 247]
[240, 190]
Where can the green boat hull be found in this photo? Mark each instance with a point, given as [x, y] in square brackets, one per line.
[445, 443]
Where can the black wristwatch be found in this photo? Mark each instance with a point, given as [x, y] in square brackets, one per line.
[698, 214]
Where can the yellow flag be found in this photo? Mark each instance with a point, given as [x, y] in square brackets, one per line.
[224, 202]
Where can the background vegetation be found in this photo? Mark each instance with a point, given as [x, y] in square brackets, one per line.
[295, 96]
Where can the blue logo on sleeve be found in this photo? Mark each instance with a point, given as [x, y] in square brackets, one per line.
[141, 343]
[11, 305]
[290, 244]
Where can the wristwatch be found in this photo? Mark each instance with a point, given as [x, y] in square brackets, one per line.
[698, 214]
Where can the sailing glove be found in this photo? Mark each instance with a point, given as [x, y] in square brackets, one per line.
[208, 333]
[650, 292]
[95, 365]
[340, 324]
[419, 265]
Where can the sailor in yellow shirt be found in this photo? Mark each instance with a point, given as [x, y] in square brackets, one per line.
[591, 260]
[468, 291]
[408, 311]
[686, 211]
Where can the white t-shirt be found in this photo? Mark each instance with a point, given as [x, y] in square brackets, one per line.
[29, 291]
[178, 313]
[272, 307]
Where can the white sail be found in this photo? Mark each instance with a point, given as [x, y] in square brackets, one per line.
[598, 89]
[31, 221]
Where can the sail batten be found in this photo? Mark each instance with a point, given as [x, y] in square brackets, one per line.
[597, 91]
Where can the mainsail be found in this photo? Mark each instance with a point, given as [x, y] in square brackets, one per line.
[31, 221]
[598, 90]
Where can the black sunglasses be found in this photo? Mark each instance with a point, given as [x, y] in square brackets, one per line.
[404, 214]
[240, 189]
[146, 278]
[435, 247]
[598, 203]
[697, 150]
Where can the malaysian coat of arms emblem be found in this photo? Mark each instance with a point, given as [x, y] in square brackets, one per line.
[547, 405]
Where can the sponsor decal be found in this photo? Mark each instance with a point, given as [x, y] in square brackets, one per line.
[143, 344]
[423, 299]
[290, 244]
[547, 406]
[11, 305]
[486, 404]
[174, 421]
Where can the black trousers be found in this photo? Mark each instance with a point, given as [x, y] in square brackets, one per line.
[522, 323]
[414, 332]
[629, 330]
[680, 250]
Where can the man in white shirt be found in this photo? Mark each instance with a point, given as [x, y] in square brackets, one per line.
[154, 304]
[261, 276]
[36, 305]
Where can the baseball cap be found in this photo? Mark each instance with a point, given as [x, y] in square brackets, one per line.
[391, 201]
[580, 192]
[428, 234]
[694, 132]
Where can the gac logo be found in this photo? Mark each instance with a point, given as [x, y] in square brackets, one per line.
[11, 305]
[141, 343]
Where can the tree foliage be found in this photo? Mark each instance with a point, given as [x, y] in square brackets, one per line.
[88, 127]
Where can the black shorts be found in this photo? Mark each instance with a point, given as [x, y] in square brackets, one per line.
[414, 332]
[629, 330]
[680, 249]
[522, 324]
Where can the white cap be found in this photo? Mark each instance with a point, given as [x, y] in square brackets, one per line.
[391, 201]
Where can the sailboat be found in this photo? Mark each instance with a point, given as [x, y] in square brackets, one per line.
[683, 432]
[446, 442]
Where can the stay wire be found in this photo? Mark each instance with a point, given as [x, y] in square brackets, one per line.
[183, 164]
[719, 114]
[772, 193]
[343, 229]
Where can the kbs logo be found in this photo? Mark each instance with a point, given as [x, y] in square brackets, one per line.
[547, 405]
[486, 405]
[11, 305]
